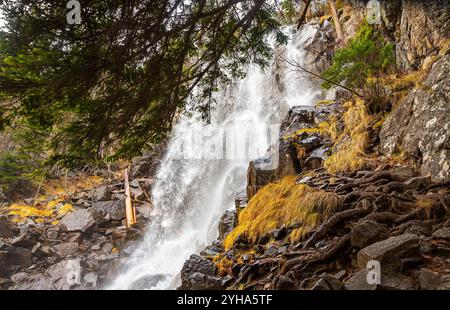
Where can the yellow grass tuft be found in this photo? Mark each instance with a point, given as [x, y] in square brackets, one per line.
[223, 264]
[282, 204]
[40, 214]
[349, 153]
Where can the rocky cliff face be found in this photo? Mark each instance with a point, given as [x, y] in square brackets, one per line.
[419, 125]
[424, 27]
[418, 28]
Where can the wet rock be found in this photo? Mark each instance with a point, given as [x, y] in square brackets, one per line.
[389, 252]
[145, 210]
[66, 249]
[260, 172]
[114, 210]
[147, 282]
[90, 280]
[14, 257]
[241, 200]
[429, 280]
[199, 273]
[216, 247]
[365, 233]
[78, 220]
[226, 224]
[443, 233]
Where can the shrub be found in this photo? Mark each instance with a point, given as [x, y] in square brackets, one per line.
[360, 64]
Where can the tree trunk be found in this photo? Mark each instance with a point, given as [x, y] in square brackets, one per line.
[337, 24]
[129, 210]
[301, 20]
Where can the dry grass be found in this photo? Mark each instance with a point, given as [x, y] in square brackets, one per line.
[282, 204]
[223, 264]
[47, 213]
[349, 150]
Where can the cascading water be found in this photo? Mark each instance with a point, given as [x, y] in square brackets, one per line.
[192, 191]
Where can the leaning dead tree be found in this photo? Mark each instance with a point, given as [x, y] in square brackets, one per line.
[334, 14]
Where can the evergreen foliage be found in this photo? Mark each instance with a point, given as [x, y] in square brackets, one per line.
[366, 55]
[111, 86]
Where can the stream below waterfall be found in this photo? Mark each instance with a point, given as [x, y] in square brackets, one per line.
[194, 185]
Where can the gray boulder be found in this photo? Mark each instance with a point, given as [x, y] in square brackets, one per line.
[389, 252]
[114, 210]
[78, 220]
[365, 233]
[199, 273]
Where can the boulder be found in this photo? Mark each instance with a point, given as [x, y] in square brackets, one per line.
[13, 257]
[365, 233]
[66, 249]
[328, 282]
[359, 282]
[145, 210]
[260, 172]
[111, 210]
[420, 124]
[78, 220]
[443, 233]
[226, 224]
[102, 193]
[389, 252]
[199, 273]
[26, 281]
[147, 282]
[240, 200]
[390, 281]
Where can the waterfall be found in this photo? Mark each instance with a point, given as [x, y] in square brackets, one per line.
[194, 185]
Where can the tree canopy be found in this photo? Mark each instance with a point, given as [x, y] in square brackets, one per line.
[112, 85]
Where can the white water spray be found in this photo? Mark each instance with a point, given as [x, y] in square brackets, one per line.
[190, 195]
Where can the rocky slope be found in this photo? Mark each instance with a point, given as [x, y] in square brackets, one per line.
[82, 243]
[393, 209]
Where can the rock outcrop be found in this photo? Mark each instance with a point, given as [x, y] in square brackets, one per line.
[420, 124]
[424, 28]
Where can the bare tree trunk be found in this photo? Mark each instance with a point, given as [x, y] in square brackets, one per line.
[301, 20]
[337, 24]
[129, 209]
